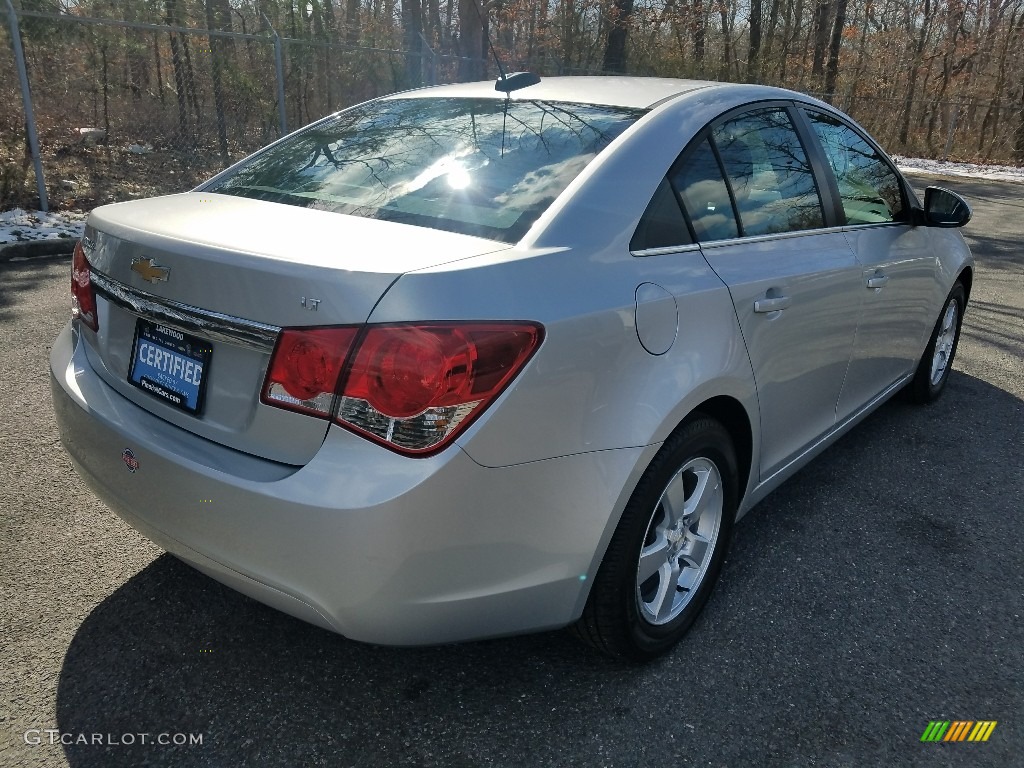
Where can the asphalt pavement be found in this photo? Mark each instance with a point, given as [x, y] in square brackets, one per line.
[878, 590]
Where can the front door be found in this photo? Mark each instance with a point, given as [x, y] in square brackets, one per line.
[898, 279]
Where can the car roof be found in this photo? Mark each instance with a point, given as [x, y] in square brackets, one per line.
[632, 92]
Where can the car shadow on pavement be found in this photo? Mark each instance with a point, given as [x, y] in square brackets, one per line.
[173, 652]
[849, 571]
[21, 276]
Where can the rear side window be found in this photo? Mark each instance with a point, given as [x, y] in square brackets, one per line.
[662, 225]
[770, 175]
[698, 180]
[485, 167]
[869, 188]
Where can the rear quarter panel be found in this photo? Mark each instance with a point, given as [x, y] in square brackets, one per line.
[592, 386]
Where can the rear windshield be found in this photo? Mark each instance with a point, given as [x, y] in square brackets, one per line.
[482, 167]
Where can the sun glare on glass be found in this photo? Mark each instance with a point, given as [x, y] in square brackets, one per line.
[458, 178]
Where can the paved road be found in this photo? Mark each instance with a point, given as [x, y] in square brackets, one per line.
[880, 589]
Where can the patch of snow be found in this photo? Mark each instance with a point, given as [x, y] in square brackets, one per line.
[970, 170]
[19, 226]
[91, 136]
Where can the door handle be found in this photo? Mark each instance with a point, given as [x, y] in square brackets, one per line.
[877, 280]
[773, 304]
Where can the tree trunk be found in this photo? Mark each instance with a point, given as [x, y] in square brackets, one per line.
[190, 77]
[106, 88]
[437, 30]
[723, 12]
[471, 41]
[858, 71]
[352, 22]
[790, 31]
[159, 71]
[178, 65]
[568, 51]
[950, 67]
[991, 120]
[766, 56]
[412, 40]
[908, 101]
[754, 49]
[832, 70]
[1018, 140]
[821, 16]
[328, 19]
[216, 59]
[321, 56]
[615, 50]
[531, 37]
[700, 26]
[505, 33]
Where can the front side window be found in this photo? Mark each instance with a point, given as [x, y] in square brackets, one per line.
[484, 167]
[769, 172]
[868, 187]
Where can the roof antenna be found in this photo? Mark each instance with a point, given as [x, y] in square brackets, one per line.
[512, 81]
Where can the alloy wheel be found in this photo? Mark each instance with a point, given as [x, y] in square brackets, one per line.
[944, 342]
[680, 541]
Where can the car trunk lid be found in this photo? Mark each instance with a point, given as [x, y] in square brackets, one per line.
[179, 275]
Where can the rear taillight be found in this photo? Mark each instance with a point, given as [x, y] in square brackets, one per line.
[83, 300]
[305, 368]
[413, 387]
[409, 387]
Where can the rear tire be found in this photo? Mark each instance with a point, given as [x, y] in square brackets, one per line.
[933, 370]
[666, 553]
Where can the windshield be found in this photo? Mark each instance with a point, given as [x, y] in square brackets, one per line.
[481, 167]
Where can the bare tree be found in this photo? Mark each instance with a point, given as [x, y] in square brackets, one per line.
[832, 69]
[615, 50]
[472, 47]
[754, 49]
[218, 17]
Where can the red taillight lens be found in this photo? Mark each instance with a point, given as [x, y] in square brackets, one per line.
[414, 387]
[83, 300]
[409, 387]
[305, 367]
[403, 371]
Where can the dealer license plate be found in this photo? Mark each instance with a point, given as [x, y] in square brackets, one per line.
[170, 365]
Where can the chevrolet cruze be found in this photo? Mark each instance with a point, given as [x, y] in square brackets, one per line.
[472, 361]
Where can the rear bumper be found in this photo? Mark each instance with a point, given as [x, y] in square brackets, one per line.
[378, 547]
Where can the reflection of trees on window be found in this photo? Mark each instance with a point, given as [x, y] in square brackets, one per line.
[769, 172]
[477, 166]
[698, 179]
[869, 189]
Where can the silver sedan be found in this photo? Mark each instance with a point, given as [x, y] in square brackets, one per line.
[460, 363]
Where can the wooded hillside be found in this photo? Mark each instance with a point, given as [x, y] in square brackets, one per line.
[927, 77]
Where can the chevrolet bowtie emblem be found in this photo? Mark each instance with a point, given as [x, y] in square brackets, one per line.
[150, 271]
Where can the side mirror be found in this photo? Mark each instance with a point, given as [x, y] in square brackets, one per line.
[943, 208]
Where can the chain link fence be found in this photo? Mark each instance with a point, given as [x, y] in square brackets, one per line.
[125, 109]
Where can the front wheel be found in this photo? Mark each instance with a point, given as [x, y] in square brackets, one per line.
[937, 361]
[665, 556]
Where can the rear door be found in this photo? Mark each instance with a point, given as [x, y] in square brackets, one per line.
[796, 285]
[898, 264]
